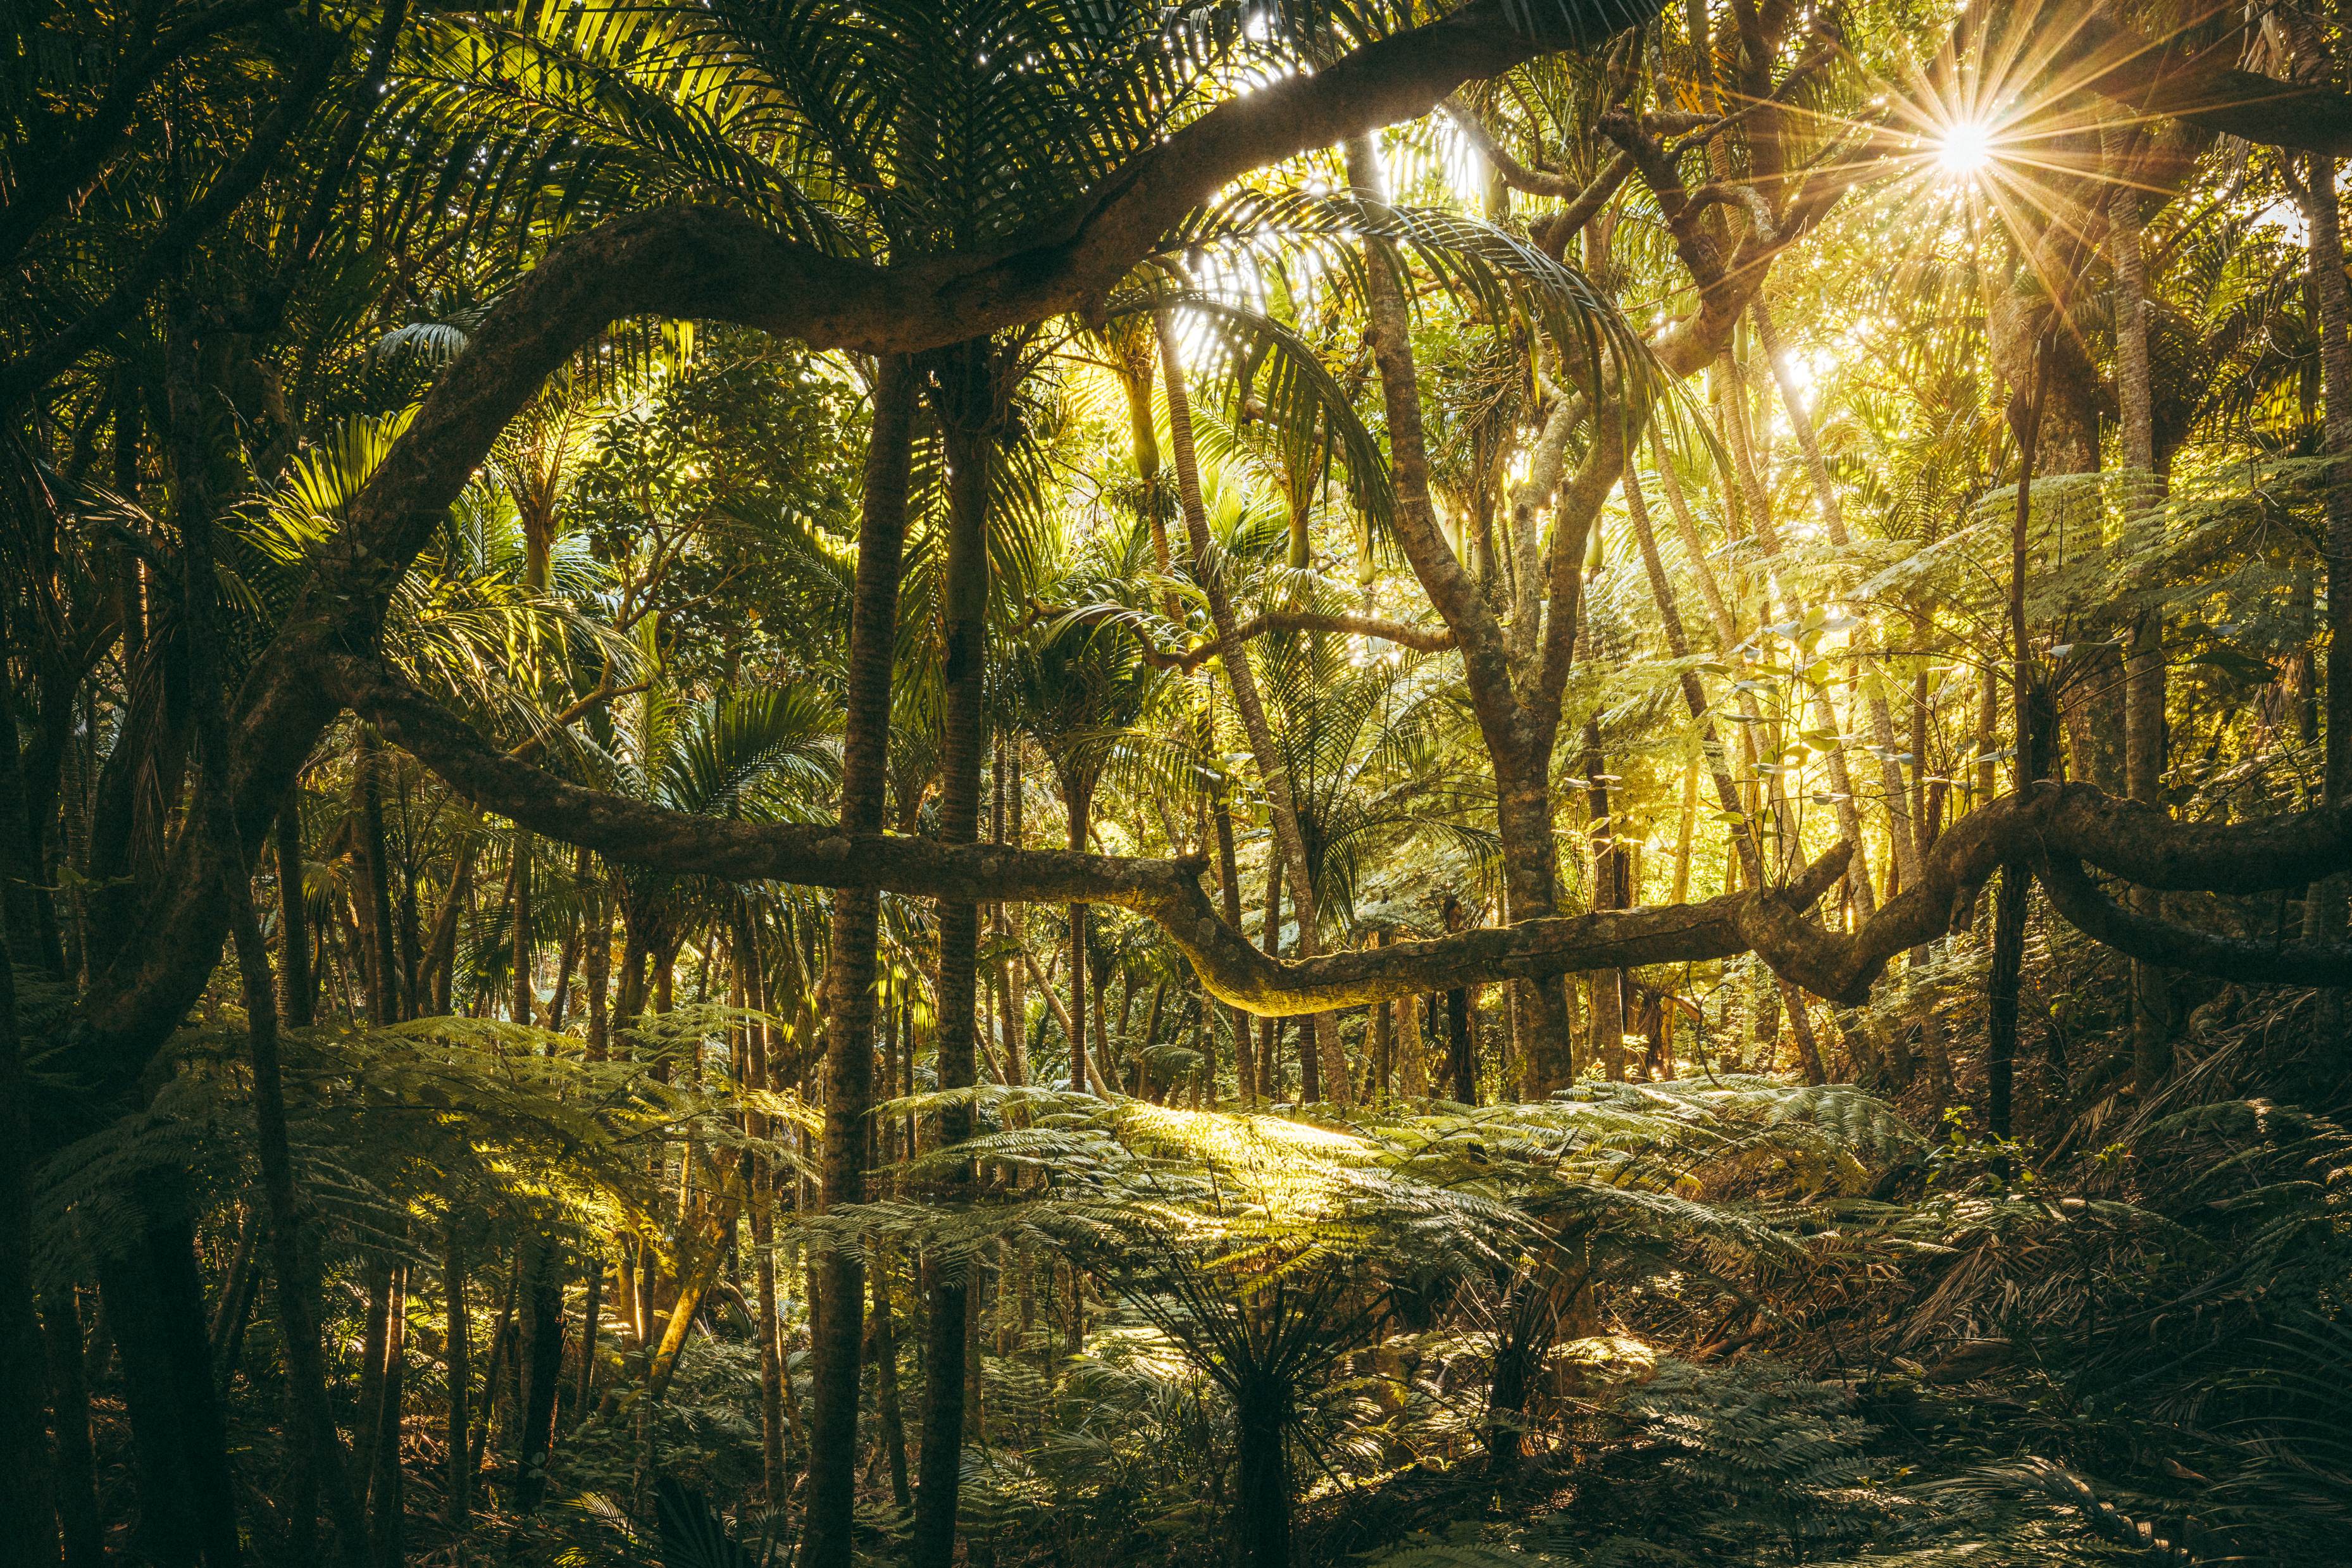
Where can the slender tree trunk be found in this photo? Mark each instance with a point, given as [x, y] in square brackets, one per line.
[2028, 696]
[1412, 1065]
[1016, 971]
[2144, 674]
[297, 992]
[1269, 1036]
[375, 1334]
[317, 1444]
[441, 953]
[74, 1477]
[889, 1413]
[969, 393]
[1229, 890]
[520, 931]
[501, 1347]
[771, 1357]
[230, 1305]
[837, 1281]
[539, 1357]
[383, 965]
[1078, 802]
[457, 1507]
[1686, 820]
[2325, 902]
[591, 1323]
[596, 969]
[1608, 894]
[1461, 1050]
[387, 1502]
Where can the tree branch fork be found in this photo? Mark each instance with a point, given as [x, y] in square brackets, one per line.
[2061, 829]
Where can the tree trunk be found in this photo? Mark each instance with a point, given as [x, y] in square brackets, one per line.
[383, 964]
[1262, 1489]
[596, 969]
[1077, 804]
[887, 1411]
[539, 1357]
[1269, 1033]
[493, 1367]
[520, 931]
[387, 1502]
[771, 1357]
[441, 953]
[1608, 894]
[837, 1281]
[591, 1323]
[1519, 736]
[1229, 892]
[74, 1477]
[154, 1308]
[458, 1485]
[2325, 902]
[1412, 1066]
[1462, 1052]
[297, 991]
[969, 388]
[2144, 674]
[316, 1446]
[2027, 694]
[1016, 971]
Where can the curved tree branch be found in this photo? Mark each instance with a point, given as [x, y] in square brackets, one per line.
[2075, 822]
[2083, 905]
[2071, 821]
[2099, 54]
[1516, 175]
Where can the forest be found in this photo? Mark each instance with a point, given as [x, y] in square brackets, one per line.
[1512, 783]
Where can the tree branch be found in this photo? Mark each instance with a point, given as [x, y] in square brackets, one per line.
[2127, 837]
[2081, 904]
[2071, 821]
[1516, 175]
[2099, 54]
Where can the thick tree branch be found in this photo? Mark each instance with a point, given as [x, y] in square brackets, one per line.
[2170, 78]
[2072, 821]
[2081, 904]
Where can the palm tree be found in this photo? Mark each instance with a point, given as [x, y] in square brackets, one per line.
[1078, 687]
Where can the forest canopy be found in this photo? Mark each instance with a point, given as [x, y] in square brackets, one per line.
[1496, 782]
